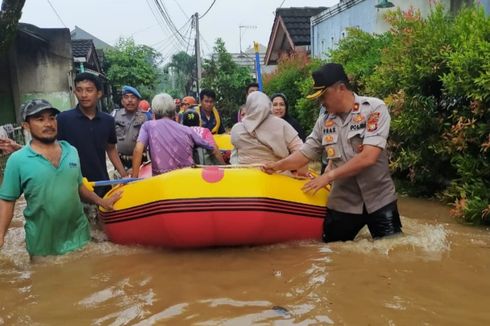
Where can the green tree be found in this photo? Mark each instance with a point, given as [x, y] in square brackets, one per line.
[181, 70]
[227, 79]
[9, 18]
[131, 64]
[293, 78]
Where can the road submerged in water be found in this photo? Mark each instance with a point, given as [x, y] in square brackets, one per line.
[436, 274]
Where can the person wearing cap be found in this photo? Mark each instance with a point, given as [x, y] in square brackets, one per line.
[353, 133]
[145, 107]
[128, 124]
[170, 143]
[91, 131]
[188, 102]
[48, 173]
[210, 117]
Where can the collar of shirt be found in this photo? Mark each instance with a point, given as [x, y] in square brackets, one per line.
[82, 115]
[32, 153]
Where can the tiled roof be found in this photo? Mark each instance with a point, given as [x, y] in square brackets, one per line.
[81, 48]
[297, 21]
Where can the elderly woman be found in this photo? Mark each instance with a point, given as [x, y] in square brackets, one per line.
[170, 143]
[262, 137]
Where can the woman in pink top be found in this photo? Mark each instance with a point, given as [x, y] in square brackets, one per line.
[170, 143]
[190, 118]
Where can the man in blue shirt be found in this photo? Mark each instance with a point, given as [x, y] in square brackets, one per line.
[90, 131]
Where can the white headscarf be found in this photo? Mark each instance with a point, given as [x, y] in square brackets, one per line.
[268, 129]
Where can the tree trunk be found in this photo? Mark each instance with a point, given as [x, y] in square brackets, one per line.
[9, 18]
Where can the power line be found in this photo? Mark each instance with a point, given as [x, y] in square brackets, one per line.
[168, 20]
[211, 6]
[57, 15]
[162, 21]
[280, 6]
[181, 10]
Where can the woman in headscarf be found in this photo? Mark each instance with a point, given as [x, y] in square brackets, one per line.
[280, 109]
[262, 137]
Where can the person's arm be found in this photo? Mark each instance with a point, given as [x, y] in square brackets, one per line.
[6, 215]
[375, 137]
[137, 158]
[218, 156]
[293, 162]
[115, 160]
[91, 197]
[111, 149]
[363, 160]
[309, 151]
[8, 145]
[199, 141]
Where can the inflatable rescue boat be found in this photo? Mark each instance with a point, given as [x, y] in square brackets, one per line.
[214, 206]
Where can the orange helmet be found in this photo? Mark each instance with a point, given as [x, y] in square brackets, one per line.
[144, 106]
[189, 100]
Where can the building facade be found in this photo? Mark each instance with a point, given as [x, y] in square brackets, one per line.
[330, 26]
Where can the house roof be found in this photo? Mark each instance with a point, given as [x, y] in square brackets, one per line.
[297, 21]
[80, 34]
[81, 48]
[291, 29]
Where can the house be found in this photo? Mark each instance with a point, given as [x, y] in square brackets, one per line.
[79, 34]
[38, 64]
[330, 26]
[247, 59]
[290, 32]
[86, 59]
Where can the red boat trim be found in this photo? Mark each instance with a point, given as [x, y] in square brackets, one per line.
[172, 206]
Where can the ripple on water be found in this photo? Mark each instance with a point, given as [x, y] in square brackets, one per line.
[429, 238]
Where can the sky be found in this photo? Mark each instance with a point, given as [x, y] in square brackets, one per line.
[110, 19]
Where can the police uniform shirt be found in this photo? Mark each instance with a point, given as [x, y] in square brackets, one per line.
[368, 123]
[127, 129]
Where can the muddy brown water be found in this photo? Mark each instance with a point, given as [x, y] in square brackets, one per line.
[436, 274]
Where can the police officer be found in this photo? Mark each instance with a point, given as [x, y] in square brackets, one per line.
[128, 123]
[352, 133]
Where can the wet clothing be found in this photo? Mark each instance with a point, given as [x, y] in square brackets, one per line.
[262, 137]
[128, 126]
[55, 222]
[170, 144]
[339, 226]
[214, 123]
[367, 123]
[90, 137]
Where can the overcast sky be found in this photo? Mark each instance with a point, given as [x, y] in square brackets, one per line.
[110, 19]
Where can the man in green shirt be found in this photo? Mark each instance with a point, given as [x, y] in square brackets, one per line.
[48, 172]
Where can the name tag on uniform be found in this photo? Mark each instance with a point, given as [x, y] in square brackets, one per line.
[357, 126]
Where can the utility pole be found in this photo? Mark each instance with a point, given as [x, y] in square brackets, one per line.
[198, 54]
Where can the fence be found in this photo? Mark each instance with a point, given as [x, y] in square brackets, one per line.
[14, 132]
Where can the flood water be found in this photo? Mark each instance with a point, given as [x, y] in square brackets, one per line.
[436, 274]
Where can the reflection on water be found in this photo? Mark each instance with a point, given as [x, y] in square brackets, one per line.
[435, 274]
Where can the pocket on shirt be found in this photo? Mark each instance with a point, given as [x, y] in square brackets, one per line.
[120, 128]
[355, 139]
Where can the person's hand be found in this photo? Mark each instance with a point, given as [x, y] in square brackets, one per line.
[269, 168]
[108, 203]
[8, 145]
[318, 183]
[303, 171]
